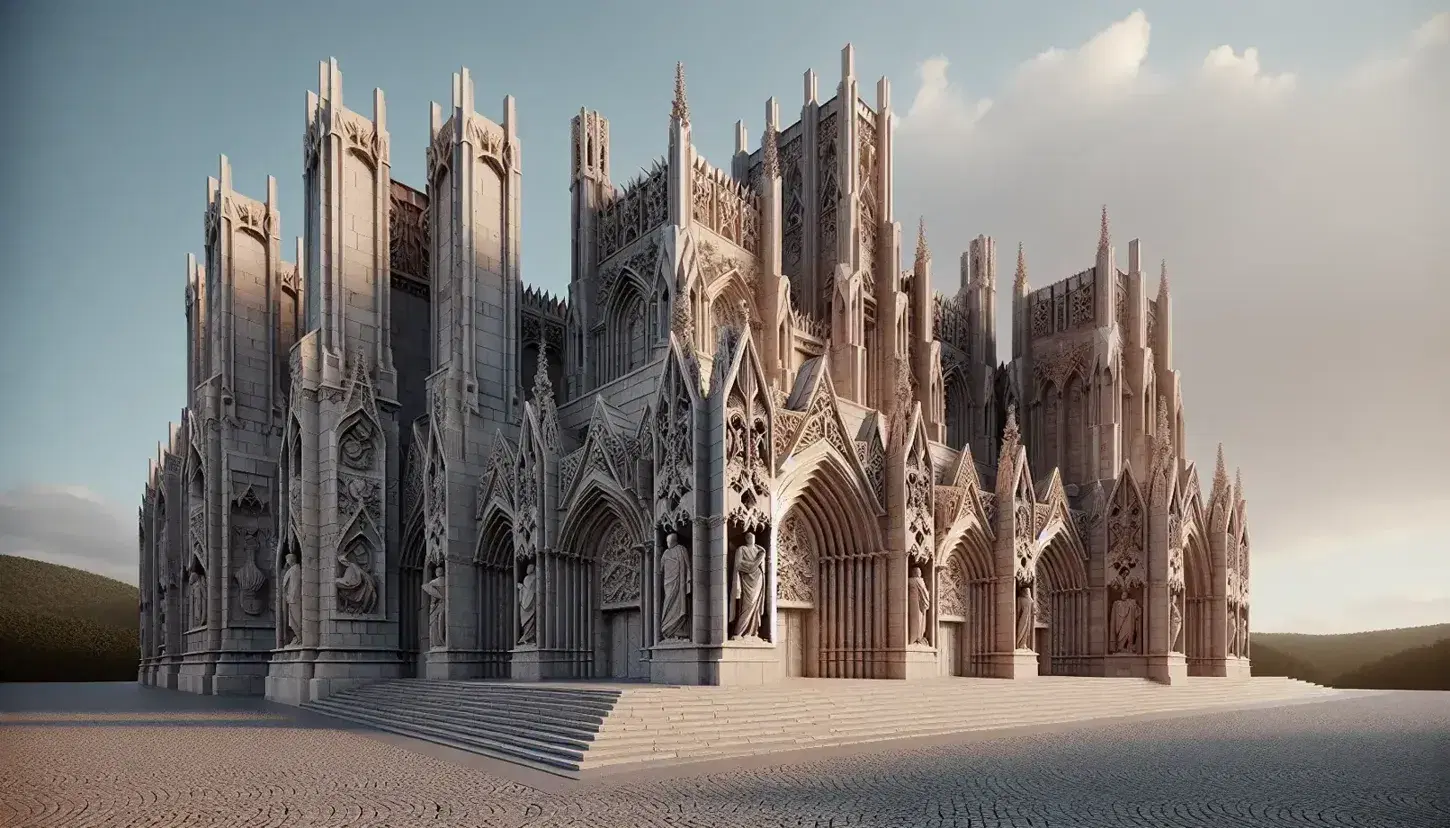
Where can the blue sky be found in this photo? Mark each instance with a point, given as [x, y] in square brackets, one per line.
[114, 115]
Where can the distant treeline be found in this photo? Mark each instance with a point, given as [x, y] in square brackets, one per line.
[1413, 658]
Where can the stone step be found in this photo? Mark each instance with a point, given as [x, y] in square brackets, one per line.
[530, 753]
[566, 728]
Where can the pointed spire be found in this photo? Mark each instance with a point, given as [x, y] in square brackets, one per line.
[1104, 239]
[543, 386]
[1238, 484]
[1220, 473]
[1162, 438]
[923, 255]
[1011, 436]
[681, 109]
[1163, 280]
[1021, 281]
[771, 153]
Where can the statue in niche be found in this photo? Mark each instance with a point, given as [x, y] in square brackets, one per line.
[1233, 633]
[919, 604]
[1126, 615]
[250, 578]
[357, 588]
[528, 610]
[747, 588]
[675, 571]
[1026, 616]
[292, 600]
[196, 596]
[356, 448]
[437, 610]
[1175, 625]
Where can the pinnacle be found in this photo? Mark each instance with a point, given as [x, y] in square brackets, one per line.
[1104, 239]
[1010, 434]
[1163, 279]
[1021, 280]
[923, 255]
[681, 109]
[1220, 471]
[1238, 483]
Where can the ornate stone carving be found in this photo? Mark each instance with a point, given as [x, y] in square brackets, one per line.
[1081, 305]
[725, 206]
[827, 197]
[357, 494]
[795, 561]
[1125, 546]
[1055, 367]
[952, 589]
[643, 263]
[920, 517]
[357, 447]
[674, 452]
[1026, 615]
[619, 562]
[1175, 624]
[748, 464]
[357, 586]
[1024, 541]
[793, 216]
[1127, 620]
[747, 588]
[196, 597]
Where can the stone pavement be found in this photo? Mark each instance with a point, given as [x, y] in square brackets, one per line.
[161, 758]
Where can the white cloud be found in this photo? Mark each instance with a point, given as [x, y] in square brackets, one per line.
[69, 525]
[1304, 222]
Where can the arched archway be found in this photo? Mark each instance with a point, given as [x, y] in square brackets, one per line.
[966, 606]
[494, 566]
[1062, 605]
[843, 627]
[593, 586]
[1197, 599]
[957, 395]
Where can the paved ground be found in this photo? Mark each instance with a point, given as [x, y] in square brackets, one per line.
[159, 758]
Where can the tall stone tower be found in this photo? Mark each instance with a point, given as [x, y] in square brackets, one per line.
[236, 400]
[473, 192]
[336, 605]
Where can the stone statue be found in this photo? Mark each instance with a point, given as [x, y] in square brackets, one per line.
[437, 610]
[357, 589]
[1175, 625]
[919, 604]
[196, 595]
[1233, 633]
[250, 578]
[1126, 616]
[527, 608]
[292, 600]
[1026, 616]
[675, 570]
[747, 587]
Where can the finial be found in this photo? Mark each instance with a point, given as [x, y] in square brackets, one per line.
[1220, 471]
[1238, 484]
[543, 386]
[1010, 435]
[1162, 439]
[1021, 280]
[1104, 240]
[1163, 279]
[923, 255]
[771, 160]
[681, 109]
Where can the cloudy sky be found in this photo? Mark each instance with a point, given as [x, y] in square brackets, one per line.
[1287, 159]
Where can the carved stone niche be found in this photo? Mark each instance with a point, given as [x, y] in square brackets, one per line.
[748, 601]
[249, 574]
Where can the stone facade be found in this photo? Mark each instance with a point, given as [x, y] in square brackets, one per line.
[746, 446]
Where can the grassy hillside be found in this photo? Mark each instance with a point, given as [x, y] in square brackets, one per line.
[1418, 668]
[1331, 656]
[1271, 661]
[63, 624]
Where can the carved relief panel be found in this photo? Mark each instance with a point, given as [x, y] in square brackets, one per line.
[1127, 569]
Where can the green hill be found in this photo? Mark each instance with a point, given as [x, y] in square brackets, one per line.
[1271, 661]
[1330, 656]
[58, 623]
[1418, 668]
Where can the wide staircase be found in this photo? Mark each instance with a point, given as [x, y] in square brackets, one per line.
[572, 728]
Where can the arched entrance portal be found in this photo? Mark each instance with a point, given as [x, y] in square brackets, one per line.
[494, 561]
[1198, 603]
[593, 591]
[966, 608]
[831, 572]
[1061, 638]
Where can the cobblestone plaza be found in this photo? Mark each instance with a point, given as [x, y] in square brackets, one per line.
[117, 755]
